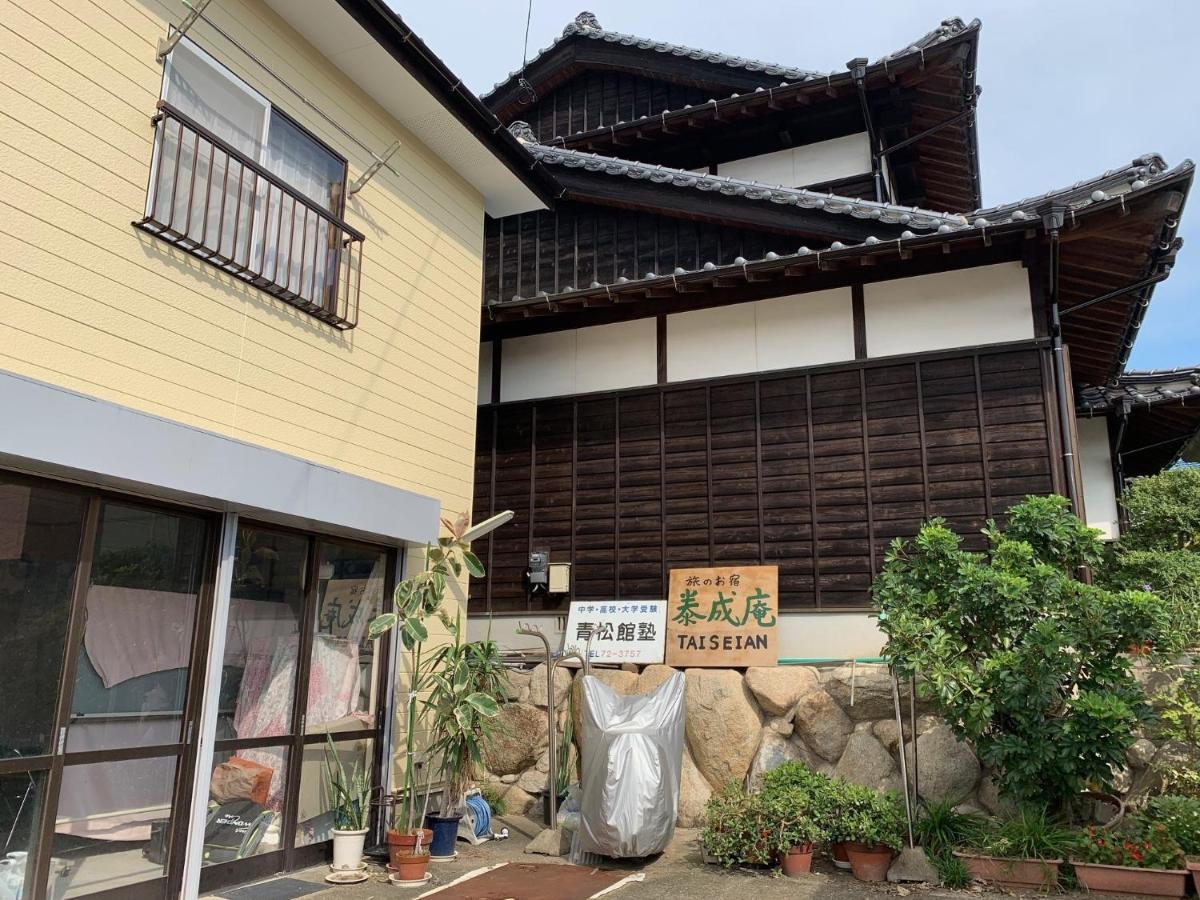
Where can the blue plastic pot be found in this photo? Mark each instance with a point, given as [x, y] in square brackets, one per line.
[445, 833]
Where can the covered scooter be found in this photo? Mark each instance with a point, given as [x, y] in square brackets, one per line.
[632, 756]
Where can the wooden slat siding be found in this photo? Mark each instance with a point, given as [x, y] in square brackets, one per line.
[815, 472]
[553, 477]
[639, 495]
[595, 499]
[576, 244]
[786, 499]
[482, 506]
[596, 99]
[514, 471]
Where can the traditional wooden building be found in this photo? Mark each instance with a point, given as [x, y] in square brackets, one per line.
[768, 320]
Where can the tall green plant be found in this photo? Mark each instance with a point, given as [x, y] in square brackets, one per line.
[417, 600]
[1022, 659]
[349, 795]
[465, 681]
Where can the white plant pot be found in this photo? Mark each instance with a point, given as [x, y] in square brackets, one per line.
[348, 849]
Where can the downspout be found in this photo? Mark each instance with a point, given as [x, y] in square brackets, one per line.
[1052, 221]
[1119, 465]
[858, 71]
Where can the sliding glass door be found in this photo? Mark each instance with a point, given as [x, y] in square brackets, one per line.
[298, 672]
[101, 600]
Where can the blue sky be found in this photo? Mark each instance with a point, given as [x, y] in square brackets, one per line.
[1069, 88]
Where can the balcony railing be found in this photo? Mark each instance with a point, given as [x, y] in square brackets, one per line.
[216, 203]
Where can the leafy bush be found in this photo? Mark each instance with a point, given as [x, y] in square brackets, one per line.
[739, 828]
[1180, 816]
[1140, 845]
[495, 799]
[1022, 659]
[1179, 720]
[1160, 549]
[816, 795]
[871, 818]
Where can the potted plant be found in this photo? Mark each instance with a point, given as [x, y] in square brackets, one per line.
[416, 600]
[349, 801]
[1181, 817]
[1023, 852]
[874, 828]
[1139, 858]
[465, 680]
[796, 831]
[738, 829]
[842, 799]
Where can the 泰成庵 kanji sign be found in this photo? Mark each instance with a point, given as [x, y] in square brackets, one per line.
[725, 617]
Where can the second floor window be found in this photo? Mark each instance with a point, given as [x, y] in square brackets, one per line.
[238, 183]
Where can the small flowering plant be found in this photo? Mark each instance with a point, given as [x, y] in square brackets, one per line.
[1141, 846]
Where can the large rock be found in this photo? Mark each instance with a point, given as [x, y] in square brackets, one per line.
[810, 759]
[822, 724]
[990, 799]
[1149, 781]
[889, 734]
[723, 724]
[1140, 753]
[519, 737]
[517, 800]
[533, 782]
[517, 689]
[773, 751]
[537, 685]
[694, 792]
[947, 767]
[652, 676]
[872, 689]
[778, 688]
[865, 762]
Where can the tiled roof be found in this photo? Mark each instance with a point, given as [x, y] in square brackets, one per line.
[1112, 186]
[735, 187]
[1143, 389]
[1132, 177]
[586, 25]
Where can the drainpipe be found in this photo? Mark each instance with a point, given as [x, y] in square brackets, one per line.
[1052, 221]
[858, 71]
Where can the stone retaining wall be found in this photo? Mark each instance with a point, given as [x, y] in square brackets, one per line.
[838, 720]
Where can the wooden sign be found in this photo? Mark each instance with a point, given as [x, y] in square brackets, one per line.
[726, 617]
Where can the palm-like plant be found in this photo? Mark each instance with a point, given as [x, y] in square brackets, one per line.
[416, 600]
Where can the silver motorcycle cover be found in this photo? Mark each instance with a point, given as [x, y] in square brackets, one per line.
[632, 756]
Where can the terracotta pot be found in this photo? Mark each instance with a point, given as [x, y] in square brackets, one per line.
[411, 868]
[1194, 868]
[869, 862]
[400, 845]
[797, 860]
[1041, 874]
[840, 859]
[1127, 880]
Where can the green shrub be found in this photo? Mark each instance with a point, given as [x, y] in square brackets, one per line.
[816, 794]
[1181, 818]
[495, 800]
[1179, 720]
[873, 818]
[941, 829]
[735, 828]
[1023, 660]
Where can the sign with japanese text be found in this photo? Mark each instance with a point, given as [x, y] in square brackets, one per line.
[623, 631]
[724, 617]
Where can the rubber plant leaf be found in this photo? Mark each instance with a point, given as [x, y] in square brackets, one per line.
[381, 624]
[483, 704]
[474, 566]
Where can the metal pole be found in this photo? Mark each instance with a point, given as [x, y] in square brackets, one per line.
[912, 729]
[908, 813]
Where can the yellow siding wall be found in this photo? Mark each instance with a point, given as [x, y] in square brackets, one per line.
[95, 305]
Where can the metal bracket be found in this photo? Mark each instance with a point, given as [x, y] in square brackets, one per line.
[196, 10]
[380, 161]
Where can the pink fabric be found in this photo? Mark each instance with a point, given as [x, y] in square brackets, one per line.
[264, 703]
[132, 632]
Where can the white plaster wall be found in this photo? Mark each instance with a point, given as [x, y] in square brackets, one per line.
[780, 333]
[622, 355]
[812, 635]
[1099, 489]
[485, 372]
[983, 305]
[600, 358]
[810, 164]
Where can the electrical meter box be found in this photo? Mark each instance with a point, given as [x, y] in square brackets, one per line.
[539, 564]
[560, 578]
